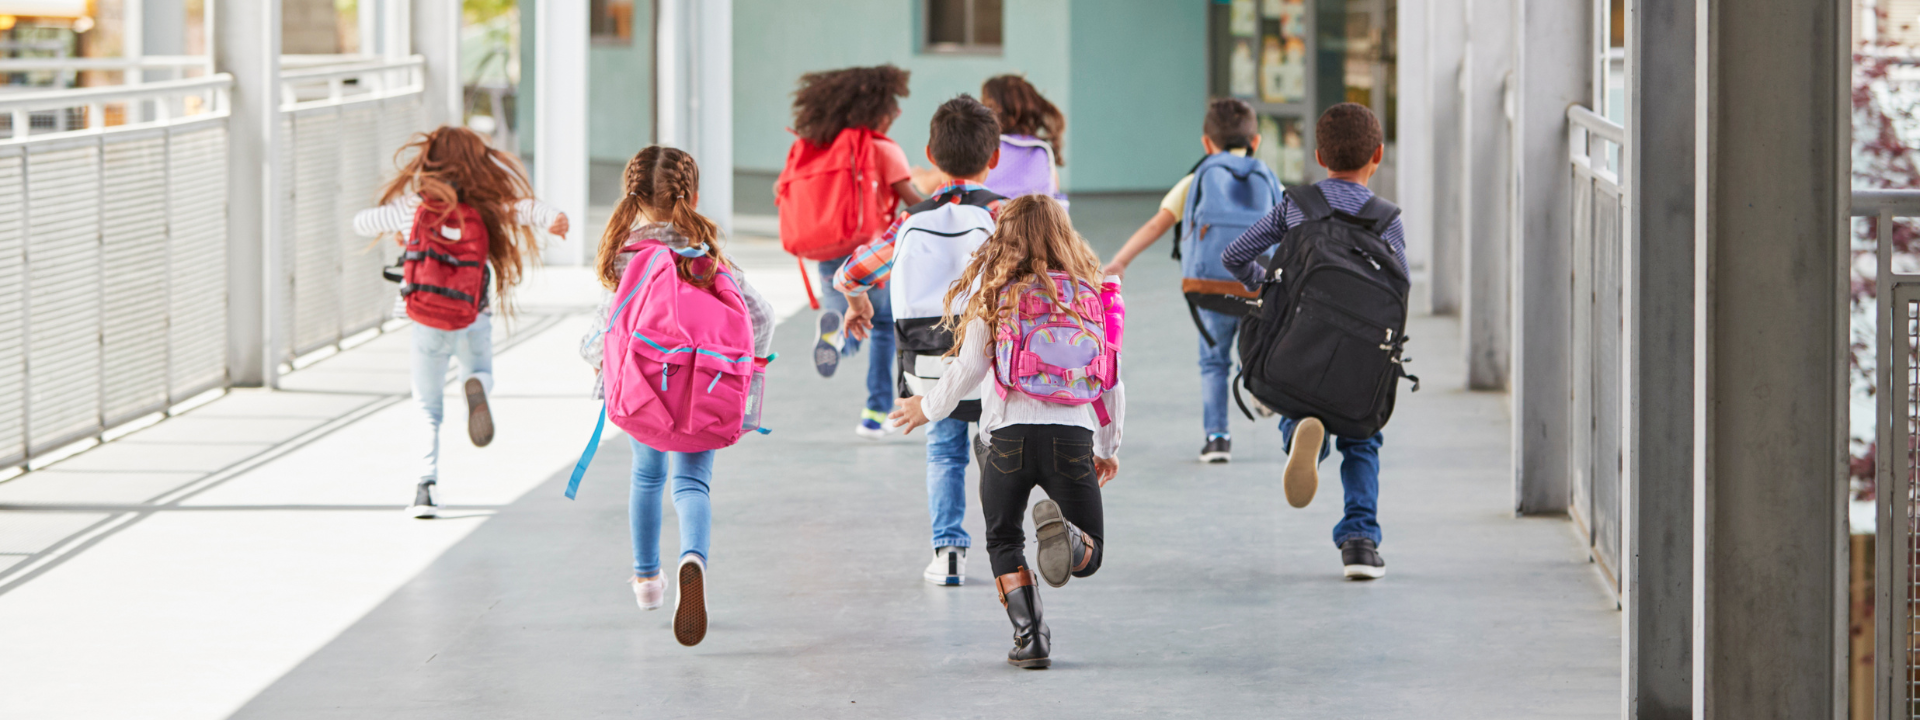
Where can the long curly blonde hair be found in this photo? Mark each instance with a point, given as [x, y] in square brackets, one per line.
[1033, 237]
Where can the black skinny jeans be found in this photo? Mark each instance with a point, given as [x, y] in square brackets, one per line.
[1059, 459]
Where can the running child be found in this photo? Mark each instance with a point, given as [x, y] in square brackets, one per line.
[662, 187]
[916, 259]
[1348, 145]
[844, 157]
[1233, 190]
[1054, 427]
[1032, 132]
[466, 215]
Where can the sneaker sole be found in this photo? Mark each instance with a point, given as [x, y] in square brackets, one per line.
[944, 580]
[826, 357]
[1365, 572]
[1302, 476]
[426, 512]
[1034, 664]
[690, 610]
[1215, 458]
[1055, 554]
[479, 418]
[870, 434]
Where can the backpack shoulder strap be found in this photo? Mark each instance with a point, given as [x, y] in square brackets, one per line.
[981, 198]
[1312, 203]
[1378, 213]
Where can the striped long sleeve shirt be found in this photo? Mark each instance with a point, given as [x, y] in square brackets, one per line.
[397, 216]
[1344, 196]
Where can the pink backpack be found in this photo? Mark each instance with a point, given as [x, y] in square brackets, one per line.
[679, 369]
[1044, 351]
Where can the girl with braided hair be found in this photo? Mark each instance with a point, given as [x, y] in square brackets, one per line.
[662, 187]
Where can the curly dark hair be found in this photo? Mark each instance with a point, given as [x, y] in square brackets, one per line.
[834, 100]
[1024, 111]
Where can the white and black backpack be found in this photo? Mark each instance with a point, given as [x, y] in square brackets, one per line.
[930, 250]
[1325, 340]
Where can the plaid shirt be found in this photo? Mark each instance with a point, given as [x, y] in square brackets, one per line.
[871, 263]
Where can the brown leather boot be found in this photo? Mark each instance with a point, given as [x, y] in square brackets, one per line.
[1030, 636]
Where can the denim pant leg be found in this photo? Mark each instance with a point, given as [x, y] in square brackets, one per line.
[947, 482]
[1360, 479]
[880, 381]
[431, 349]
[474, 350]
[691, 473]
[692, 501]
[1216, 369]
[831, 299]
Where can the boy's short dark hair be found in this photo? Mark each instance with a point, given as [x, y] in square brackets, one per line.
[1346, 137]
[965, 135]
[1230, 123]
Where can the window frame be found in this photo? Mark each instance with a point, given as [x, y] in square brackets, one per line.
[602, 11]
[969, 48]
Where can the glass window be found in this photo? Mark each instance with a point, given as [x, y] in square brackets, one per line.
[612, 21]
[962, 26]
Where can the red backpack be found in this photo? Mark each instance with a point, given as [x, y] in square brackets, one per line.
[445, 275]
[830, 198]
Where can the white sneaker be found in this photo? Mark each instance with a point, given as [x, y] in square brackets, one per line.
[690, 604]
[650, 593]
[949, 566]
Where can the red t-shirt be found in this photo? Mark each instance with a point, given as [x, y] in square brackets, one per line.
[891, 161]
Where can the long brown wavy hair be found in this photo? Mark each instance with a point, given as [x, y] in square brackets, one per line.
[1023, 111]
[661, 184]
[834, 100]
[455, 165]
[1032, 237]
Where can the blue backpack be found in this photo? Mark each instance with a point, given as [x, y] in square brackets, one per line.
[1228, 195]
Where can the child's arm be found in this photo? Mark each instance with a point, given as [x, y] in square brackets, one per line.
[1146, 236]
[1106, 440]
[393, 217]
[760, 313]
[536, 213]
[1241, 254]
[969, 367]
[865, 270]
[909, 194]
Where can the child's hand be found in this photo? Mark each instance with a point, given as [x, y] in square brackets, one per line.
[1105, 468]
[559, 226]
[908, 415]
[859, 321]
[926, 179]
[1116, 268]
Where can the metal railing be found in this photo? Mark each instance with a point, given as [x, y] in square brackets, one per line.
[115, 258]
[1897, 418]
[1596, 147]
[341, 125]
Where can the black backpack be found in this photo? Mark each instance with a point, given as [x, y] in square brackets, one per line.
[1326, 338]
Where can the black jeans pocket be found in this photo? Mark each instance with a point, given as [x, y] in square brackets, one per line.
[1005, 454]
[1072, 460]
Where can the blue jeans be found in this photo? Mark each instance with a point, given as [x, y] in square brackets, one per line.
[880, 386]
[432, 348]
[947, 482]
[691, 471]
[1359, 478]
[1216, 369]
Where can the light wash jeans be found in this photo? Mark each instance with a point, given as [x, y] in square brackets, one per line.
[880, 380]
[432, 347]
[947, 482]
[1359, 481]
[691, 472]
[1216, 369]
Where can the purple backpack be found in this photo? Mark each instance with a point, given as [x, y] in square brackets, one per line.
[1026, 168]
[1044, 351]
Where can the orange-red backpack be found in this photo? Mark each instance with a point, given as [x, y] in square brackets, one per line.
[445, 266]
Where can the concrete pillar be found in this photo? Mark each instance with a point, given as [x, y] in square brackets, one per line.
[1486, 188]
[1657, 570]
[435, 35]
[1551, 73]
[694, 67]
[1414, 153]
[1446, 43]
[246, 44]
[560, 123]
[1770, 337]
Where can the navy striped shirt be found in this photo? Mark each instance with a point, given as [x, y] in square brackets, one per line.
[1343, 195]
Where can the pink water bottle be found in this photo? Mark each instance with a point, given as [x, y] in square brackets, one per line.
[1116, 311]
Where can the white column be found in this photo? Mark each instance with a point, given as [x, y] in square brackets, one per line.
[246, 36]
[436, 36]
[694, 68]
[1486, 183]
[1446, 43]
[1414, 152]
[1770, 337]
[560, 122]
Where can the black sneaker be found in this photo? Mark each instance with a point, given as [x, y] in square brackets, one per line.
[1362, 560]
[423, 506]
[1218, 450]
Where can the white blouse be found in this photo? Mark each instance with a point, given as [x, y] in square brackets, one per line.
[972, 369]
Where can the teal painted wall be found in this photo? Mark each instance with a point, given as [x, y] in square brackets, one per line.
[774, 41]
[620, 87]
[1139, 93]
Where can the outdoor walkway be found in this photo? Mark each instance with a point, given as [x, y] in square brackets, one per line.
[249, 559]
